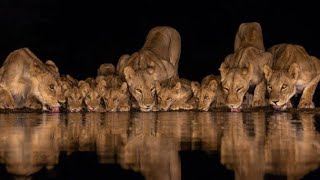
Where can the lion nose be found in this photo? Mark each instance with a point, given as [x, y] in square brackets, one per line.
[275, 101]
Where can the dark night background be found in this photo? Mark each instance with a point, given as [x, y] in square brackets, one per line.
[81, 35]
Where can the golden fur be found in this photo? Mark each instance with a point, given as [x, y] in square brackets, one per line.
[244, 69]
[293, 71]
[175, 95]
[155, 62]
[23, 75]
[91, 94]
[208, 94]
[106, 69]
[115, 93]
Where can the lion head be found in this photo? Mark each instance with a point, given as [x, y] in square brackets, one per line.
[204, 93]
[74, 99]
[167, 95]
[235, 83]
[92, 97]
[281, 85]
[142, 87]
[49, 91]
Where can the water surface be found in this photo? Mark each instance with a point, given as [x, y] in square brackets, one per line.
[160, 145]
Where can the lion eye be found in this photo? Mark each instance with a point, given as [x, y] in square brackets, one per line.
[169, 98]
[284, 86]
[240, 89]
[226, 89]
[139, 91]
[51, 87]
[206, 97]
[153, 89]
[115, 100]
[269, 86]
[88, 97]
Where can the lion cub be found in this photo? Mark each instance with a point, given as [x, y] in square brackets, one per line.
[115, 93]
[208, 94]
[92, 94]
[175, 95]
[293, 71]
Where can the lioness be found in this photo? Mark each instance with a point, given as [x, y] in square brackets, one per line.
[175, 95]
[115, 93]
[24, 75]
[156, 61]
[293, 71]
[244, 68]
[209, 93]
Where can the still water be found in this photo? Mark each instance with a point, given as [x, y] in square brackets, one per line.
[160, 145]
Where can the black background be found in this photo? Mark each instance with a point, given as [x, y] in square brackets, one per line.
[80, 35]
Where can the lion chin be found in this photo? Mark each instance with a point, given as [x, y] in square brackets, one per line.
[235, 109]
[55, 109]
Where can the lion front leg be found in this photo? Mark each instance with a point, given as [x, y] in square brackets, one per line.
[6, 100]
[307, 96]
[259, 95]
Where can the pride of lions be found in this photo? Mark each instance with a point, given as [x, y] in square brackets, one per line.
[148, 79]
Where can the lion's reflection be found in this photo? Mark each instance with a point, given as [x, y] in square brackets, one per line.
[252, 144]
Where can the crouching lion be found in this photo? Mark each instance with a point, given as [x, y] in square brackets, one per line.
[156, 61]
[244, 68]
[25, 76]
[293, 71]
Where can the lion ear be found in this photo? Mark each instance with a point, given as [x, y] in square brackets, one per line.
[150, 70]
[223, 70]
[247, 71]
[124, 87]
[129, 74]
[294, 71]
[267, 72]
[213, 84]
[195, 87]
[177, 87]
[158, 87]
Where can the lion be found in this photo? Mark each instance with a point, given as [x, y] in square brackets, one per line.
[244, 68]
[208, 93]
[106, 69]
[293, 71]
[92, 95]
[74, 99]
[155, 62]
[25, 76]
[175, 95]
[115, 93]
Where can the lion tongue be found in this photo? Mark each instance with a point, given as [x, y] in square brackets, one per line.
[55, 109]
[235, 109]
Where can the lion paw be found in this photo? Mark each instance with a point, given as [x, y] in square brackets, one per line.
[7, 105]
[306, 104]
[124, 108]
[258, 103]
[174, 107]
[33, 105]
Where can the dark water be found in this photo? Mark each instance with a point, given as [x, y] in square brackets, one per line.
[162, 145]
